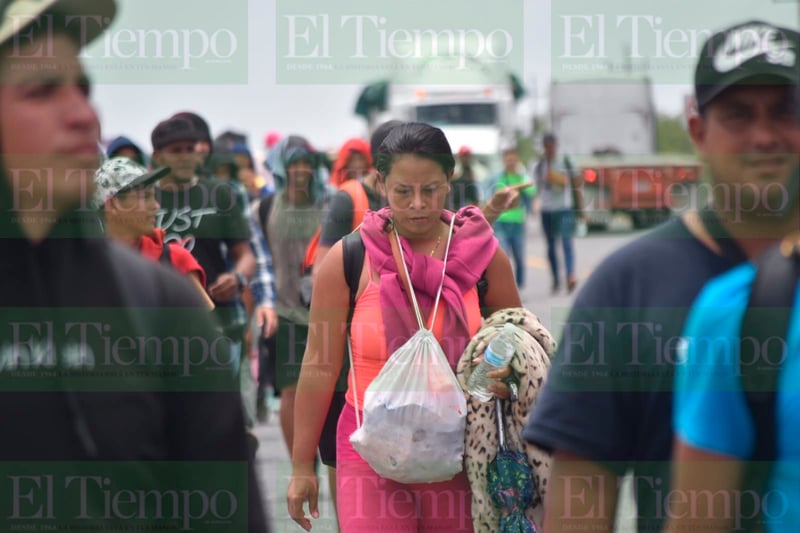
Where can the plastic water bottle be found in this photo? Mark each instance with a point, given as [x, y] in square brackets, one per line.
[497, 355]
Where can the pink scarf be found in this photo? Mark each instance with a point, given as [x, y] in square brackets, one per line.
[472, 247]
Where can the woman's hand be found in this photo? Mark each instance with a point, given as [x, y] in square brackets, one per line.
[498, 387]
[303, 487]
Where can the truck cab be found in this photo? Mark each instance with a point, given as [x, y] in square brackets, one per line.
[479, 112]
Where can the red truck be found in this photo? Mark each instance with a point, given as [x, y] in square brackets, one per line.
[608, 129]
[646, 187]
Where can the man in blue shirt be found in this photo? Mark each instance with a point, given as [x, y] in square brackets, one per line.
[713, 424]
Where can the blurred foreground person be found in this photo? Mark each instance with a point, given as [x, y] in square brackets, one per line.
[112, 378]
[735, 417]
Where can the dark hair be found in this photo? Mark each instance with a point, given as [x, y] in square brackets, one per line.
[380, 133]
[199, 123]
[173, 130]
[223, 159]
[419, 139]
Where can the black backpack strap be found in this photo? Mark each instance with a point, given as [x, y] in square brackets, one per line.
[264, 209]
[166, 255]
[568, 166]
[483, 287]
[353, 252]
[764, 330]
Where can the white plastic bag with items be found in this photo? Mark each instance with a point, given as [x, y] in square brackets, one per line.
[415, 412]
[414, 416]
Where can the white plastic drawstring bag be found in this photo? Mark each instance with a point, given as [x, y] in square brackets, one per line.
[414, 410]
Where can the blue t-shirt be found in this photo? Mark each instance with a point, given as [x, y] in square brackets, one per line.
[711, 411]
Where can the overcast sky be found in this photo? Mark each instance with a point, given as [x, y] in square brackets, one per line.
[259, 101]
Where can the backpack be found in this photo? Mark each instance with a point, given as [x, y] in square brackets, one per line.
[765, 320]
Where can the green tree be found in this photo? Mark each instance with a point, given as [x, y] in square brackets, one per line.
[671, 136]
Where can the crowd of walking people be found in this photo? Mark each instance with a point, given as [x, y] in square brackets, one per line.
[139, 282]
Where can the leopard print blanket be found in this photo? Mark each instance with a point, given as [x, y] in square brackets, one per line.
[531, 364]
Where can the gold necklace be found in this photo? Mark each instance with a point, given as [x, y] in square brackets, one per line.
[438, 241]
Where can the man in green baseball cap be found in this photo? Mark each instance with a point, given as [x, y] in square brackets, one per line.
[114, 381]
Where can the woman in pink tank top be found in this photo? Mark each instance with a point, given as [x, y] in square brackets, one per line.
[415, 163]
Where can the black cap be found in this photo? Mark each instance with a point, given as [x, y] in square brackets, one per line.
[754, 52]
[173, 130]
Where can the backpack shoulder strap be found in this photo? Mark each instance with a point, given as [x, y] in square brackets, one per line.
[166, 255]
[766, 319]
[360, 200]
[483, 287]
[353, 252]
[763, 333]
[568, 165]
[264, 209]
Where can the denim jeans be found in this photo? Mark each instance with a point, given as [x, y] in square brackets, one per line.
[559, 225]
[512, 238]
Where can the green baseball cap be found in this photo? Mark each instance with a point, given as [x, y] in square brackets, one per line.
[87, 18]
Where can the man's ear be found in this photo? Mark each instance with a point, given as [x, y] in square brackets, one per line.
[156, 158]
[697, 131]
[112, 204]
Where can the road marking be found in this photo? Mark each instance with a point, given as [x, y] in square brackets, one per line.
[536, 262]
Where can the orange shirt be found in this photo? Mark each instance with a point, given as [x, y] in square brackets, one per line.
[367, 336]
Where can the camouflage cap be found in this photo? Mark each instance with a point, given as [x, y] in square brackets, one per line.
[121, 174]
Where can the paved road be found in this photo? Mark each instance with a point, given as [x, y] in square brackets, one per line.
[273, 459]
[589, 252]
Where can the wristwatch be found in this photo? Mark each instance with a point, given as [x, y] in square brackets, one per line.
[240, 280]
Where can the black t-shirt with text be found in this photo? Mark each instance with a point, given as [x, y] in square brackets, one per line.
[203, 218]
